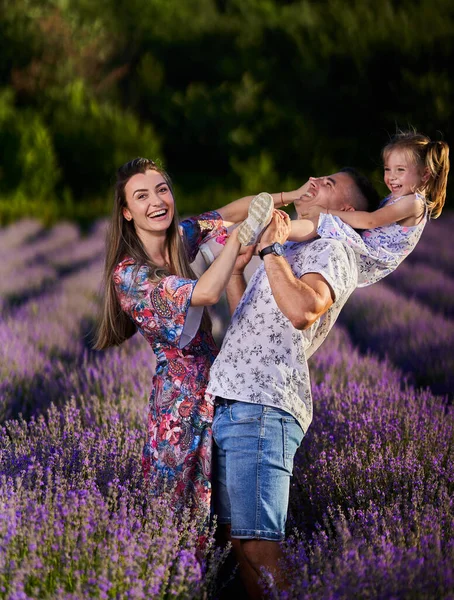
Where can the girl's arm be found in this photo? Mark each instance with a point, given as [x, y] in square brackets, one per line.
[409, 206]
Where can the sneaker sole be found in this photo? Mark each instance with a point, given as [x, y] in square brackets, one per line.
[259, 215]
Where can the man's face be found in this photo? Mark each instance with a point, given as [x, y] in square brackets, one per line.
[330, 191]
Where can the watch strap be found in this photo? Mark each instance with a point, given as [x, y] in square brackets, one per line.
[268, 250]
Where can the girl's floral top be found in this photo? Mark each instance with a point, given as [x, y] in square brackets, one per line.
[178, 447]
[379, 251]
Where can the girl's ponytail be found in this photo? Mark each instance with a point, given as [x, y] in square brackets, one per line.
[437, 164]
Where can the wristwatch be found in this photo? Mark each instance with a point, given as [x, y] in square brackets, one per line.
[276, 248]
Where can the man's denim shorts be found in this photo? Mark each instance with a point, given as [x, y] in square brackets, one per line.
[253, 462]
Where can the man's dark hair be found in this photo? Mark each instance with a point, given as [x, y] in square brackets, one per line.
[370, 197]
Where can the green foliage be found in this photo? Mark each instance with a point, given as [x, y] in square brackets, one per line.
[232, 95]
[30, 170]
[96, 140]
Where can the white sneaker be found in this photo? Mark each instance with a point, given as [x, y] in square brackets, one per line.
[259, 216]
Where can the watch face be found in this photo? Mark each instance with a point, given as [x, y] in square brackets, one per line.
[278, 249]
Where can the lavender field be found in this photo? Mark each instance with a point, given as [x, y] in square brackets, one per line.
[371, 512]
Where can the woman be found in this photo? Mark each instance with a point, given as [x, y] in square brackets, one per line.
[150, 287]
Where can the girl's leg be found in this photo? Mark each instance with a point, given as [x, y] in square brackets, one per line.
[303, 230]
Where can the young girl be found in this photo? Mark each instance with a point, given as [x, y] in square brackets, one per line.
[416, 172]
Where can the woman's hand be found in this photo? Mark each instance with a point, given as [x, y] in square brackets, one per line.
[301, 191]
[243, 259]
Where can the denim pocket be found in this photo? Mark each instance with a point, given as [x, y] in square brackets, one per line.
[245, 412]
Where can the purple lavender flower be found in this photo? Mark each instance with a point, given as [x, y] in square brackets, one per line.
[371, 512]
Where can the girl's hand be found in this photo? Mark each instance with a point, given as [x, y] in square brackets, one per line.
[312, 212]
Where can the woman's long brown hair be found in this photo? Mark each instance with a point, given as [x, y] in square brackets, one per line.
[115, 326]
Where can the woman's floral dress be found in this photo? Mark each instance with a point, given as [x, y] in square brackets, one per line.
[379, 251]
[178, 446]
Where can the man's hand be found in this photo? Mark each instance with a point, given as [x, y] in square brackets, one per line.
[277, 231]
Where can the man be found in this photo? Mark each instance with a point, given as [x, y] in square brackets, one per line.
[261, 378]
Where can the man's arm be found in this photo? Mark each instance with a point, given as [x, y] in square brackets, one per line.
[302, 300]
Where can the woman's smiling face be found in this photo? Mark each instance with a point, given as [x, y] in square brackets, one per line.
[150, 202]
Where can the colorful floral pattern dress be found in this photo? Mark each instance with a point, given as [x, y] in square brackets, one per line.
[178, 446]
[379, 251]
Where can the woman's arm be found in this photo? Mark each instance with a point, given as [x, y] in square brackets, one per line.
[409, 206]
[212, 283]
[237, 284]
[237, 211]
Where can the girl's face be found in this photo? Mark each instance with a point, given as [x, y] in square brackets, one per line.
[402, 175]
[150, 203]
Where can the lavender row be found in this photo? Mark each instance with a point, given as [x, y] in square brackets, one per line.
[372, 493]
[19, 283]
[83, 251]
[435, 248]
[370, 498]
[414, 338]
[78, 521]
[44, 350]
[426, 284]
[19, 233]
[41, 247]
[371, 501]
[373, 479]
[42, 344]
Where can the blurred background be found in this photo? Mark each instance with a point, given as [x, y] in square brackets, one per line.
[232, 96]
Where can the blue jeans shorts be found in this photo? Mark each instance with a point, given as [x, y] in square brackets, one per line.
[253, 461]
